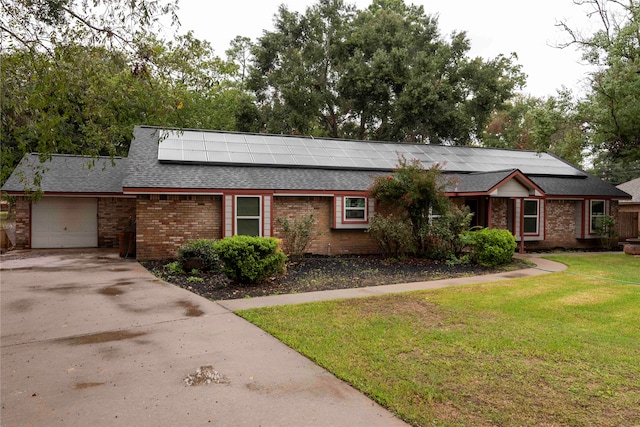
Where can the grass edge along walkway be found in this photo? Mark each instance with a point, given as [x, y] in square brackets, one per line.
[543, 266]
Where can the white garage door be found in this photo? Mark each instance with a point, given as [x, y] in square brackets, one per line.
[64, 222]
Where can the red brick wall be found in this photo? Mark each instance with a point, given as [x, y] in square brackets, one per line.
[164, 223]
[499, 213]
[23, 223]
[115, 214]
[326, 241]
[561, 227]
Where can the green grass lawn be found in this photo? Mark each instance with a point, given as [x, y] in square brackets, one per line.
[556, 349]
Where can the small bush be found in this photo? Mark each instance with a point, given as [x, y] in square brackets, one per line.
[199, 254]
[393, 235]
[174, 267]
[606, 229]
[491, 247]
[297, 234]
[249, 259]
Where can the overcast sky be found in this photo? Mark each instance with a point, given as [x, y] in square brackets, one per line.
[526, 27]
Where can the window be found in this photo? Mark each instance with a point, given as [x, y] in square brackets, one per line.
[434, 214]
[597, 212]
[530, 217]
[248, 217]
[355, 209]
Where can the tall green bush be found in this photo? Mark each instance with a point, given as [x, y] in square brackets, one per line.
[413, 191]
[249, 259]
[491, 247]
[445, 233]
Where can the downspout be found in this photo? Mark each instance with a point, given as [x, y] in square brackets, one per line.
[521, 225]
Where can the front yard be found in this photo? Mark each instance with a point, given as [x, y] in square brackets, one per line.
[556, 349]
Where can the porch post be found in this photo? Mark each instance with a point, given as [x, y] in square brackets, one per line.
[521, 225]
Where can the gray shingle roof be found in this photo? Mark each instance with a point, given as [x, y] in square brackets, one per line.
[633, 188]
[477, 182]
[142, 171]
[588, 186]
[146, 172]
[68, 174]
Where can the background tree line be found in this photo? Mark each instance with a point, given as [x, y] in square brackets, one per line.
[77, 76]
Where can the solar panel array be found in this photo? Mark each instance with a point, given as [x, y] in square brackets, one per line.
[290, 151]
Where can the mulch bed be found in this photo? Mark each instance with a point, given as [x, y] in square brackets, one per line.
[320, 274]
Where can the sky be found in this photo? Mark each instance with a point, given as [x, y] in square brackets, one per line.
[526, 27]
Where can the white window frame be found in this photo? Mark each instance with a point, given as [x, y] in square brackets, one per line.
[258, 217]
[536, 216]
[346, 208]
[592, 217]
[433, 216]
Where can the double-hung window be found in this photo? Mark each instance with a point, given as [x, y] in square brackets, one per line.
[531, 215]
[355, 209]
[248, 216]
[597, 212]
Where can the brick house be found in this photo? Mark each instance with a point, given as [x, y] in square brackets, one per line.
[176, 186]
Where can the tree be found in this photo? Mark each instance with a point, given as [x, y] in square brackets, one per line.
[86, 100]
[39, 25]
[554, 125]
[381, 73]
[415, 193]
[612, 107]
[240, 53]
[296, 69]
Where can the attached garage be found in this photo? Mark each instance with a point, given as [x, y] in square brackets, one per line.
[64, 222]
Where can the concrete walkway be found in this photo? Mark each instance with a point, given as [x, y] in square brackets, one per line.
[88, 338]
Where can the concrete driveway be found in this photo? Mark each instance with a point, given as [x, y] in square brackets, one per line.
[89, 339]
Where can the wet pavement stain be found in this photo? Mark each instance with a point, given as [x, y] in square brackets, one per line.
[21, 305]
[192, 310]
[83, 386]
[63, 289]
[101, 337]
[111, 291]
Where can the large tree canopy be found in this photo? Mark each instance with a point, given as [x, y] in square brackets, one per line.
[80, 99]
[555, 125]
[612, 107]
[40, 24]
[380, 73]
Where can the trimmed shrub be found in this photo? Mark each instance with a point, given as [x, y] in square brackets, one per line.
[491, 247]
[249, 259]
[393, 235]
[199, 254]
[297, 234]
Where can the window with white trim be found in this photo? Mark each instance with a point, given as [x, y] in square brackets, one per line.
[248, 215]
[531, 213]
[355, 209]
[597, 212]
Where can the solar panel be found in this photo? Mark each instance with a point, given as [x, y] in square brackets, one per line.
[292, 151]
